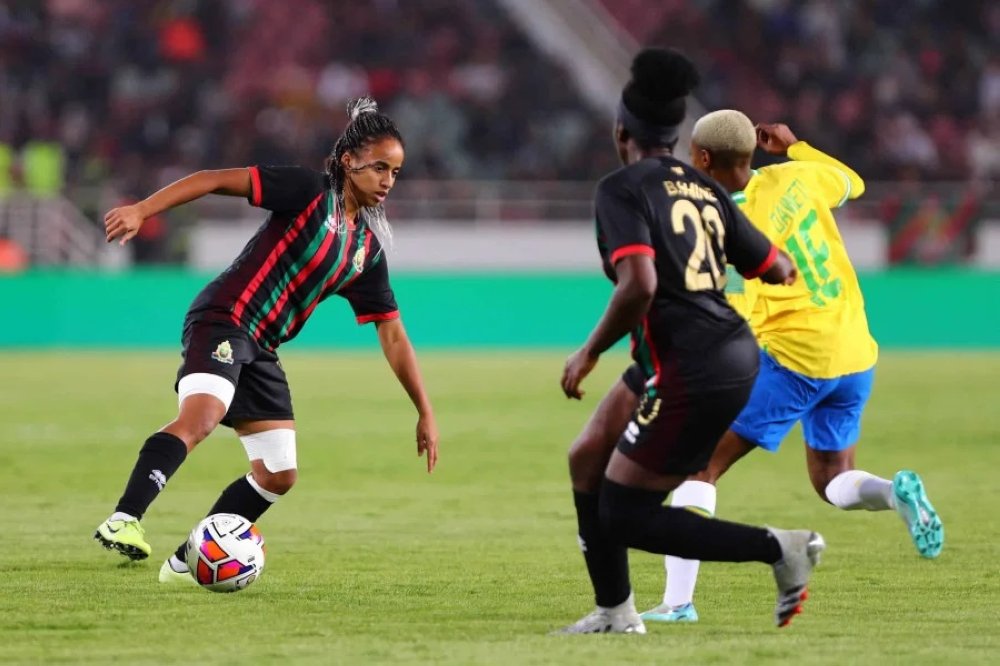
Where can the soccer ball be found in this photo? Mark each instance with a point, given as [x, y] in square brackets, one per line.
[225, 553]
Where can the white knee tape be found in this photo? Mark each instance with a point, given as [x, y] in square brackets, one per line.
[205, 382]
[274, 448]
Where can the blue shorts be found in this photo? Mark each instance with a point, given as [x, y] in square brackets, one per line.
[830, 409]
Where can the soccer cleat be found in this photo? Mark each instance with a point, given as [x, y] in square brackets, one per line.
[671, 614]
[922, 521]
[800, 552]
[622, 619]
[170, 575]
[125, 536]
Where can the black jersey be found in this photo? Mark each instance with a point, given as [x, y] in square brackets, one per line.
[685, 220]
[302, 254]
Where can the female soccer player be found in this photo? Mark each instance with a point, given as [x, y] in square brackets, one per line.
[665, 234]
[324, 236]
[818, 357]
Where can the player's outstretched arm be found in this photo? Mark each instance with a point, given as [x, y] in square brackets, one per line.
[628, 305]
[403, 360]
[778, 139]
[124, 222]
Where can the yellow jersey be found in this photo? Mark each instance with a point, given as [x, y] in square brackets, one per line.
[817, 326]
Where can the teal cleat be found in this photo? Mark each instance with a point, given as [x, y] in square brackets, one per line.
[922, 521]
[671, 614]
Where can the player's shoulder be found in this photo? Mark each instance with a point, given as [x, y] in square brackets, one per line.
[295, 172]
[654, 170]
[794, 169]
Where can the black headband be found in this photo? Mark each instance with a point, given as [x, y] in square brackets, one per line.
[645, 132]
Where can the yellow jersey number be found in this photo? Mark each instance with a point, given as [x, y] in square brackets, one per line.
[707, 225]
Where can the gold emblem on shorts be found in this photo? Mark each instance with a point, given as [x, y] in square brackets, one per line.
[359, 259]
[647, 412]
[224, 353]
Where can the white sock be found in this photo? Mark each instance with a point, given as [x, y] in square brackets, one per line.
[682, 575]
[178, 565]
[118, 515]
[266, 494]
[857, 489]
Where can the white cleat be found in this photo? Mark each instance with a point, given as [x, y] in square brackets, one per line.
[800, 552]
[622, 619]
[169, 574]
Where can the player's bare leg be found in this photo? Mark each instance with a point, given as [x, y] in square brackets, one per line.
[607, 563]
[590, 452]
[697, 493]
[836, 481]
[632, 512]
[161, 456]
[270, 445]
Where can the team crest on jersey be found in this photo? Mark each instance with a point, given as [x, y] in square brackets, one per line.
[359, 259]
[224, 353]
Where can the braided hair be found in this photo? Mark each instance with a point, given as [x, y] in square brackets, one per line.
[367, 125]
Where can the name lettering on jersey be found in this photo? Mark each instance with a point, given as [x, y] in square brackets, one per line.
[686, 190]
[791, 203]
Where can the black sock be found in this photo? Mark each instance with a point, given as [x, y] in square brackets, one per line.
[159, 458]
[240, 498]
[607, 561]
[638, 519]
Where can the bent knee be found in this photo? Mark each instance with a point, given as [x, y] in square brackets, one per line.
[588, 458]
[278, 483]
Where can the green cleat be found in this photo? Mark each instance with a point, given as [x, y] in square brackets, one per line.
[922, 521]
[125, 536]
[171, 576]
[671, 614]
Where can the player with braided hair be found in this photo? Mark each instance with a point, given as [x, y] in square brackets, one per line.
[324, 236]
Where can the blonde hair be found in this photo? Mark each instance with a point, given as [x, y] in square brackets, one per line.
[725, 131]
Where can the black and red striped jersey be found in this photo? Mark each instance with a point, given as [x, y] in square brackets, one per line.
[685, 221]
[302, 254]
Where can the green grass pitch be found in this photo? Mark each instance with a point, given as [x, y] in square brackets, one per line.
[370, 560]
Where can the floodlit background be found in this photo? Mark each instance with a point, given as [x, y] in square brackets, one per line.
[506, 107]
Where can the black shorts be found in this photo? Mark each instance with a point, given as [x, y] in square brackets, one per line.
[635, 379]
[226, 350]
[677, 426]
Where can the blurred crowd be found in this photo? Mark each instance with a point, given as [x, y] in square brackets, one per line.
[901, 90]
[141, 92]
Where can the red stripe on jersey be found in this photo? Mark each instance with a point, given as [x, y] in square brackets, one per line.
[272, 259]
[384, 316]
[295, 282]
[772, 256]
[627, 250]
[302, 316]
[255, 193]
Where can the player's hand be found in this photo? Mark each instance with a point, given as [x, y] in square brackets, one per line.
[427, 440]
[775, 138]
[578, 366]
[123, 223]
